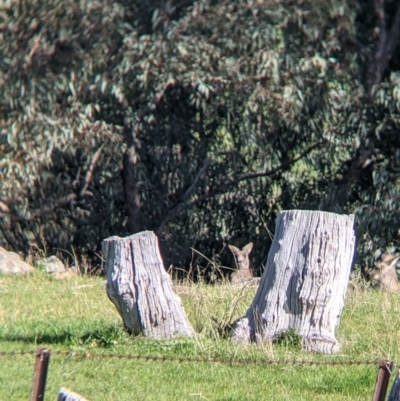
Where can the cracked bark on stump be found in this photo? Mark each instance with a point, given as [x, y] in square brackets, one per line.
[304, 283]
[140, 288]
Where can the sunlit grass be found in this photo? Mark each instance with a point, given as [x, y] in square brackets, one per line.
[76, 315]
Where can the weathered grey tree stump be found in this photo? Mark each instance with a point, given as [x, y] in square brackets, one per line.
[66, 395]
[140, 288]
[304, 283]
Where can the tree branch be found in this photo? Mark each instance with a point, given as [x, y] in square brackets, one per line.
[5, 211]
[352, 40]
[206, 163]
[357, 165]
[89, 173]
[176, 208]
[225, 186]
[44, 210]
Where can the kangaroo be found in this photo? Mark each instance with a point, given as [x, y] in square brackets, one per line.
[385, 273]
[243, 273]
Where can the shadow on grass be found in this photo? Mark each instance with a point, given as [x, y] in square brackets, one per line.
[106, 336]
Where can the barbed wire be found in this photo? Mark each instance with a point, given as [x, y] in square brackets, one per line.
[227, 361]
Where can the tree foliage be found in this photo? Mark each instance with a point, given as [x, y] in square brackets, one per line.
[198, 120]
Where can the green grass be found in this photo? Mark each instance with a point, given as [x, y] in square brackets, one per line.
[75, 315]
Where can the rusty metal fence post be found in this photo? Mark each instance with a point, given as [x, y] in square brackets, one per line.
[40, 374]
[382, 380]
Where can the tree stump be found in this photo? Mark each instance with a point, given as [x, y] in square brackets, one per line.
[304, 283]
[140, 288]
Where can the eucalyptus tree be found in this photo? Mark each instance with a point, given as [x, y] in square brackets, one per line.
[198, 120]
[59, 173]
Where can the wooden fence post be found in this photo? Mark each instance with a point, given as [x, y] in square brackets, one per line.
[382, 380]
[40, 374]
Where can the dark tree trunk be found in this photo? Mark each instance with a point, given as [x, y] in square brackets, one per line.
[377, 61]
[388, 39]
[131, 189]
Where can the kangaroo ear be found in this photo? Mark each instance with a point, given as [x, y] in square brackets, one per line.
[233, 249]
[247, 249]
[387, 257]
[394, 261]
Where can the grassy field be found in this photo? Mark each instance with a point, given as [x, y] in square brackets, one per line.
[75, 315]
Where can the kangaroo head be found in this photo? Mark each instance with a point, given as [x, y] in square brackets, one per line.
[385, 273]
[242, 256]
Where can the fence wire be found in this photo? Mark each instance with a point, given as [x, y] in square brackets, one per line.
[227, 361]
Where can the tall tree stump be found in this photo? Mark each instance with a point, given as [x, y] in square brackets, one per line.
[304, 283]
[140, 288]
